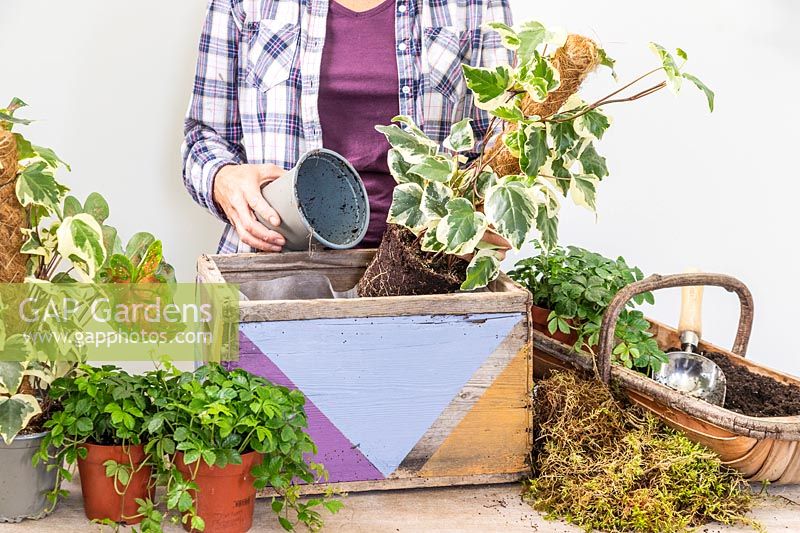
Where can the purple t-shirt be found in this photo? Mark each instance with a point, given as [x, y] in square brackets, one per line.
[359, 90]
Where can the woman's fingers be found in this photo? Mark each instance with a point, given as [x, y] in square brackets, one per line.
[253, 232]
[259, 205]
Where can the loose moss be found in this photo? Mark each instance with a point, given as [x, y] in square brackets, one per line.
[603, 465]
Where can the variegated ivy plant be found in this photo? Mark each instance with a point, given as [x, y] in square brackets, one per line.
[449, 200]
[66, 242]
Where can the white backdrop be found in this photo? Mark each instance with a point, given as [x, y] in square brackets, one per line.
[111, 83]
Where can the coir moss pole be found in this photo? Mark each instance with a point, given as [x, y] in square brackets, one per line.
[12, 215]
[573, 61]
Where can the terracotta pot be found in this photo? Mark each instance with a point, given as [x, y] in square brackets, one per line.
[101, 500]
[226, 497]
[539, 316]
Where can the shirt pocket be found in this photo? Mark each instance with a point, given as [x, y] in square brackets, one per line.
[446, 48]
[272, 53]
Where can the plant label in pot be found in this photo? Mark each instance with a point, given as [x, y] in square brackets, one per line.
[322, 199]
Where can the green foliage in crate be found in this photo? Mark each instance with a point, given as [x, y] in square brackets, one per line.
[577, 286]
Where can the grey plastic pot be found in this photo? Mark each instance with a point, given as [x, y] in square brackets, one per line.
[321, 199]
[22, 485]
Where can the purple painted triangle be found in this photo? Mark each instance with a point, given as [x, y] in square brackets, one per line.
[343, 461]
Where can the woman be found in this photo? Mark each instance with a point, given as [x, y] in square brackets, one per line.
[276, 78]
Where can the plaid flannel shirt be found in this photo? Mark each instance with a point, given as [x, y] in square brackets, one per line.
[257, 83]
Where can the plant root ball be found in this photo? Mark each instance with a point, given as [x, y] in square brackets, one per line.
[12, 215]
[574, 61]
[400, 268]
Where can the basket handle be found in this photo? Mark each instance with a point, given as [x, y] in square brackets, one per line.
[657, 281]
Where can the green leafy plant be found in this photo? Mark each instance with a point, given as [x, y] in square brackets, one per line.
[105, 406]
[450, 197]
[214, 416]
[65, 241]
[577, 286]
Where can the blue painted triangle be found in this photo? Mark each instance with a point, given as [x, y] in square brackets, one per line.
[382, 381]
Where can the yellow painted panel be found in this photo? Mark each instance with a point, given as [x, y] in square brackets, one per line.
[495, 435]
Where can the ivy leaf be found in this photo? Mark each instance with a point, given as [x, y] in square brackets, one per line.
[399, 169]
[15, 414]
[405, 209]
[539, 78]
[434, 200]
[81, 237]
[485, 180]
[514, 140]
[607, 61]
[37, 186]
[429, 241]
[702, 86]
[548, 229]
[583, 190]
[592, 124]
[463, 227]
[563, 136]
[482, 270]
[533, 34]
[49, 156]
[508, 36]
[592, 162]
[413, 148]
[488, 85]
[510, 111]
[461, 138]
[434, 168]
[24, 148]
[12, 372]
[534, 151]
[11, 119]
[511, 209]
[669, 66]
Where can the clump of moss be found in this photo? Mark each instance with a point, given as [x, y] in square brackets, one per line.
[600, 464]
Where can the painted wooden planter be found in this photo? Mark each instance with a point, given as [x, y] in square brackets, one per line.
[402, 392]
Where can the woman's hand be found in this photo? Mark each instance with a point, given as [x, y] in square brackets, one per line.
[237, 190]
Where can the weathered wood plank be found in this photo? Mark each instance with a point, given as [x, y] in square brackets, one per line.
[467, 399]
[495, 436]
[443, 304]
[404, 483]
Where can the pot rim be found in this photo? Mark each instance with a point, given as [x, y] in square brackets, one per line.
[296, 201]
[31, 436]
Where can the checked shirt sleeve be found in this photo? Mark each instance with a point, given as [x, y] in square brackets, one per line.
[492, 54]
[212, 130]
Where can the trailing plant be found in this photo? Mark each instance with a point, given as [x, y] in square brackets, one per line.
[450, 197]
[605, 465]
[64, 241]
[214, 416]
[105, 406]
[577, 286]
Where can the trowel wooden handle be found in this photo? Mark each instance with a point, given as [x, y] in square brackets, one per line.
[691, 318]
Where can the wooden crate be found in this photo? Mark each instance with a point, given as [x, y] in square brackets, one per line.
[402, 392]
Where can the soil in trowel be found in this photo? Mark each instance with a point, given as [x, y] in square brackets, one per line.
[756, 395]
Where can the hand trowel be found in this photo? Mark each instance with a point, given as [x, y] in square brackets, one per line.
[687, 371]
